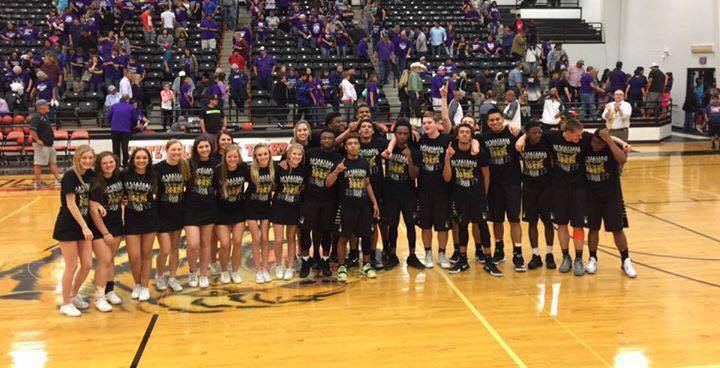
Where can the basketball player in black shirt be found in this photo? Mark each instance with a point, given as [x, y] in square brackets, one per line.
[602, 171]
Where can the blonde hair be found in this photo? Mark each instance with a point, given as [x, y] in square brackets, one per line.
[295, 128]
[404, 78]
[255, 166]
[77, 158]
[224, 167]
[294, 147]
[184, 165]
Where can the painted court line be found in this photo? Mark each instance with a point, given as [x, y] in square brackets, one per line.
[567, 329]
[484, 321]
[13, 213]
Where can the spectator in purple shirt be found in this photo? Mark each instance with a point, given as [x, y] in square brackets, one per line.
[588, 87]
[372, 94]
[10, 33]
[402, 51]
[77, 62]
[263, 65]
[383, 52]
[44, 87]
[122, 117]
[303, 32]
[490, 47]
[436, 83]
[362, 49]
[327, 42]
[209, 30]
[618, 78]
[29, 33]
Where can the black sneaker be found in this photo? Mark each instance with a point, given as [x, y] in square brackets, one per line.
[413, 261]
[376, 265]
[492, 269]
[519, 262]
[316, 263]
[535, 262]
[550, 261]
[325, 267]
[460, 266]
[499, 255]
[305, 268]
[455, 257]
[390, 261]
[352, 260]
[480, 257]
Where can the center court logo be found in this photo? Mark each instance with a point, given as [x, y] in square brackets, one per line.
[39, 281]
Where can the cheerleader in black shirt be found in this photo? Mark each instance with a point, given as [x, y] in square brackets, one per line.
[285, 211]
[200, 210]
[172, 175]
[72, 230]
[229, 182]
[140, 219]
[222, 141]
[106, 194]
[257, 209]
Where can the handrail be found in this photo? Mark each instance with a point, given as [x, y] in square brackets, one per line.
[561, 3]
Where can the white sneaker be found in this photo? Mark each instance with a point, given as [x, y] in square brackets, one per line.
[628, 268]
[279, 272]
[204, 282]
[174, 284]
[135, 292]
[80, 303]
[161, 283]
[215, 268]
[266, 276]
[70, 310]
[193, 279]
[144, 294]
[591, 266]
[236, 278]
[102, 305]
[429, 260]
[225, 277]
[113, 298]
[260, 277]
[289, 274]
[444, 262]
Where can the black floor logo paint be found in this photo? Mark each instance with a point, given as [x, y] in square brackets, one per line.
[35, 281]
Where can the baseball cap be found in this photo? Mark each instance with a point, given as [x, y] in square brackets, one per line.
[41, 102]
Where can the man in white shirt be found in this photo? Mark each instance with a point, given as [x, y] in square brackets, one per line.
[168, 18]
[437, 39]
[349, 95]
[551, 110]
[511, 113]
[617, 116]
[125, 85]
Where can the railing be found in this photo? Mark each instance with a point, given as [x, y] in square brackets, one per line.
[548, 3]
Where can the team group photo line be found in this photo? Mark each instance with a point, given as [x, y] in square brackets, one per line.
[336, 195]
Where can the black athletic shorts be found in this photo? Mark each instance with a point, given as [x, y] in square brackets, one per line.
[316, 215]
[609, 209]
[284, 214]
[467, 211]
[536, 202]
[433, 210]
[356, 221]
[504, 200]
[392, 206]
[569, 206]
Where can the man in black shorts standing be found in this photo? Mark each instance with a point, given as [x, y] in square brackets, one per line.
[602, 171]
[433, 191]
[357, 205]
[537, 194]
[319, 203]
[399, 196]
[469, 177]
[504, 191]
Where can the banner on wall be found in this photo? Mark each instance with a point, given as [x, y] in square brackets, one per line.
[278, 146]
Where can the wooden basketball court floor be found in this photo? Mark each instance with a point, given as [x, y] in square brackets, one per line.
[666, 317]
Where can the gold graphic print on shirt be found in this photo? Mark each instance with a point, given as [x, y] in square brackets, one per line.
[137, 193]
[431, 157]
[464, 172]
[498, 149]
[355, 182]
[174, 187]
[114, 193]
[396, 167]
[595, 168]
[82, 192]
[203, 181]
[263, 189]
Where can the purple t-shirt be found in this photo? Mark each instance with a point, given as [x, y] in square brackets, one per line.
[401, 47]
[585, 82]
[209, 24]
[372, 88]
[436, 84]
[383, 50]
[618, 80]
[265, 64]
[45, 89]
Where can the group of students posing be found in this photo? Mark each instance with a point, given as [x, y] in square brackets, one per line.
[346, 184]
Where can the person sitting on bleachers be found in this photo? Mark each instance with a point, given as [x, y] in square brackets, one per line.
[30, 32]
[10, 33]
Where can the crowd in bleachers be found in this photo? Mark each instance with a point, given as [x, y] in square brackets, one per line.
[77, 52]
